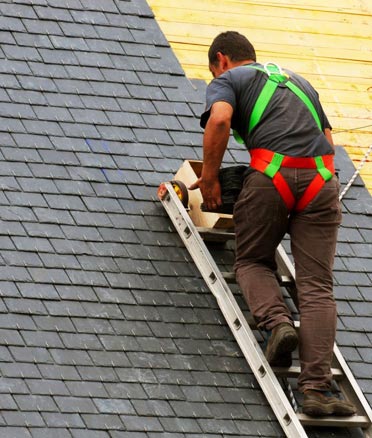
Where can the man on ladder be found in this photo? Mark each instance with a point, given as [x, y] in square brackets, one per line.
[290, 188]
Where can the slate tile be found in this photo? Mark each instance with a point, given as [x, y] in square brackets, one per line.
[75, 404]
[42, 339]
[63, 246]
[48, 387]
[103, 205]
[26, 199]
[33, 40]
[45, 275]
[112, 190]
[89, 17]
[164, 392]
[69, 187]
[13, 386]
[31, 354]
[97, 310]
[101, 374]
[7, 403]
[146, 424]
[81, 30]
[169, 377]
[59, 217]
[110, 421]
[64, 100]
[71, 308]
[59, 420]
[25, 306]
[58, 56]
[12, 24]
[155, 408]
[20, 370]
[87, 389]
[19, 258]
[55, 323]
[105, 103]
[14, 273]
[179, 425]
[133, 327]
[59, 372]
[80, 341]
[80, 433]
[69, 202]
[143, 375]
[54, 14]
[79, 293]
[73, 44]
[125, 391]
[70, 357]
[43, 127]
[85, 325]
[20, 111]
[114, 359]
[352, 278]
[37, 185]
[114, 406]
[81, 233]
[44, 433]
[60, 261]
[15, 432]
[53, 113]
[29, 419]
[5, 355]
[143, 360]
[32, 244]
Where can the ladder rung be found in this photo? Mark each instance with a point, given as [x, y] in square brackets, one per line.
[284, 280]
[216, 234]
[293, 371]
[229, 277]
[332, 421]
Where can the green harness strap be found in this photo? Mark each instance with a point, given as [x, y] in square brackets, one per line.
[275, 76]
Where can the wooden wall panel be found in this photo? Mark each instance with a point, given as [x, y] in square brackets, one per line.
[329, 43]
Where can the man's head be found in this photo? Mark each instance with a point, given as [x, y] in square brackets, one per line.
[227, 50]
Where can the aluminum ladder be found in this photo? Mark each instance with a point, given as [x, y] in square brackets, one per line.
[291, 422]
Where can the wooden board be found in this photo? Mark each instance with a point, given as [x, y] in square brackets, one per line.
[330, 44]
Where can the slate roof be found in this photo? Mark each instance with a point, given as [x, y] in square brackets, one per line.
[106, 328]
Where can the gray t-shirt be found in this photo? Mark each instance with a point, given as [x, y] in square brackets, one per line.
[286, 125]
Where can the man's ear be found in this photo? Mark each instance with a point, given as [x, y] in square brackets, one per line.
[223, 60]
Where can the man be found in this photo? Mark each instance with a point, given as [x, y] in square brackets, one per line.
[289, 139]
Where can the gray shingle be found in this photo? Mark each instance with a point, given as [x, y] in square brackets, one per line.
[102, 312]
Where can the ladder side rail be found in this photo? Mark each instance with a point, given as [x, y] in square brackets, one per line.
[349, 385]
[351, 388]
[233, 314]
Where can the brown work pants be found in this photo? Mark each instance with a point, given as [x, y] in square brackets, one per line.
[261, 221]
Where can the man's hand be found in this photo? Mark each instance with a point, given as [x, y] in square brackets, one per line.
[211, 192]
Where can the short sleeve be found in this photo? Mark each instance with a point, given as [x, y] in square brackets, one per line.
[219, 90]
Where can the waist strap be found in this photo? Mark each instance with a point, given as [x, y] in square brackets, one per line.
[269, 163]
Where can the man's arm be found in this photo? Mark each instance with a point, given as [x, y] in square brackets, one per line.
[215, 140]
[328, 134]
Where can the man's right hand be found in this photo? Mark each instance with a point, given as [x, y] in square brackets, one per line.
[211, 192]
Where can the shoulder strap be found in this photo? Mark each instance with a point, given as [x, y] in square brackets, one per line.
[275, 76]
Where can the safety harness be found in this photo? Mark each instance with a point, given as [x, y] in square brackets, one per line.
[269, 162]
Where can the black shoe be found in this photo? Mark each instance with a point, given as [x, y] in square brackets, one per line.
[320, 404]
[282, 342]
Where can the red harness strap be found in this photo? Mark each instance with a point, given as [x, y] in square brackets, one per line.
[269, 163]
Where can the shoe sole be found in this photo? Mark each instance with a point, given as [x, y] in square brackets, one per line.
[285, 345]
[315, 409]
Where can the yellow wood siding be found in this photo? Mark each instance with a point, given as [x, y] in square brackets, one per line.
[329, 43]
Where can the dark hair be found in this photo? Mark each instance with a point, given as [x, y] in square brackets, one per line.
[232, 44]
